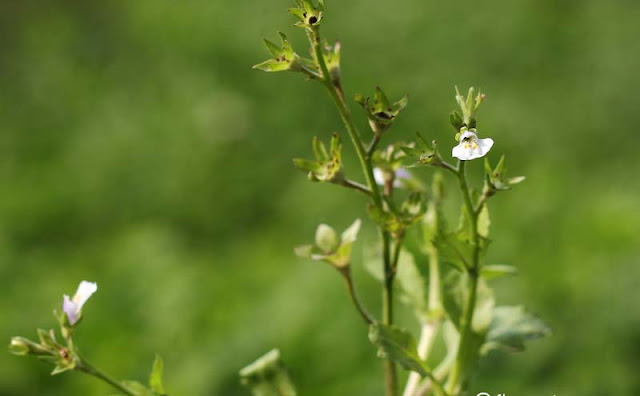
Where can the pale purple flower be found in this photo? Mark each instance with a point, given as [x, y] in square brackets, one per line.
[401, 175]
[72, 307]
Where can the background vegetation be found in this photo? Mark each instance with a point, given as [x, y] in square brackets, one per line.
[139, 150]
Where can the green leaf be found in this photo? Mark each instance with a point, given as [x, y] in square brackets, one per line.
[456, 294]
[455, 250]
[494, 271]
[399, 346]
[268, 376]
[372, 261]
[413, 284]
[386, 220]
[511, 326]
[155, 379]
[484, 222]
[137, 388]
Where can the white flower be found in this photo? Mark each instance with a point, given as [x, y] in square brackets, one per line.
[400, 175]
[471, 147]
[73, 307]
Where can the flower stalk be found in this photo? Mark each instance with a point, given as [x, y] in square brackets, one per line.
[457, 376]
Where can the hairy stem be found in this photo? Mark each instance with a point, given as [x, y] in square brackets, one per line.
[458, 375]
[87, 368]
[367, 169]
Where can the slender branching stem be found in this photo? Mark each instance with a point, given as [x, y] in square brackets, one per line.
[373, 145]
[346, 274]
[87, 368]
[355, 186]
[367, 169]
[457, 373]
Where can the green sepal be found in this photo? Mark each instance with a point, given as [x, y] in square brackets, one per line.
[421, 153]
[381, 113]
[469, 106]
[455, 119]
[327, 166]
[61, 368]
[496, 178]
[284, 58]
[156, 382]
[48, 338]
[399, 346]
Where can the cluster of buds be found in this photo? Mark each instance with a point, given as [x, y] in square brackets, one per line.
[496, 179]
[327, 166]
[469, 107]
[380, 112]
[286, 59]
[308, 13]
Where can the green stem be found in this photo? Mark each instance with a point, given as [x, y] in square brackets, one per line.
[367, 169]
[346, 274]
[355, 186]
[391, 375]
[87, 368]
[458, 375]
[345, 115]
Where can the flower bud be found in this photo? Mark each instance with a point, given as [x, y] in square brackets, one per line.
[21, 346]
[327, 239]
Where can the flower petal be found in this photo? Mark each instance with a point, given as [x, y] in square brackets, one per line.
[71, 309]
[378, 176]
[485, 145]
[461, 153]
[468, 134]
[85, 290]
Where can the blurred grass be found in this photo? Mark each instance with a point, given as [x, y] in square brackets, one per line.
[138, 149]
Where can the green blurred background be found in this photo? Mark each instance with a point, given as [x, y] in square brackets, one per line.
[139, 150]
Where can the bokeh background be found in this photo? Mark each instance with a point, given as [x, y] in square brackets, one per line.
[138, 149]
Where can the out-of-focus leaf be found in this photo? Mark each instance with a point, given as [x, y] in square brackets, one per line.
[137, 388]
[484, 222]
[413, 284]
[155, 379]
[511, 326]
[494, 271]
[268, 376]
[397, 345]
[455, 295]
